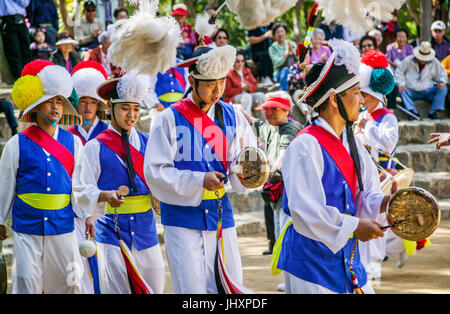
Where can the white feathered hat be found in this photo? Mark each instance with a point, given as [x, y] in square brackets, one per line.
[87, 76]
[210, 64]
[132, 87]
[145, 43]
[40, 81]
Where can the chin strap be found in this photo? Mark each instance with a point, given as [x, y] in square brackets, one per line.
[86, 123]
[53, 123]
[127, 154]
[351, 141]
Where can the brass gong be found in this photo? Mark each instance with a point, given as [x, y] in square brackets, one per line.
[415, 212]
[252, 167]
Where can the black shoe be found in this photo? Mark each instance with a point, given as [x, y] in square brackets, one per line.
[385, 258]
[433, 116]
[267, 252]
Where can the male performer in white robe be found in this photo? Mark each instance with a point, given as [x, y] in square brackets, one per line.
[36, 171]
[332, 190]
[113, 159]
[184, 170]
[87, 76]
[379, 127]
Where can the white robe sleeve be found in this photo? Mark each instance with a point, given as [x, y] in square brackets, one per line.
[368, 202]
[302, 170]
[9, 164]
[78, 154]
[169, 184]
[244, 131]
[85, 189]
[383, 137]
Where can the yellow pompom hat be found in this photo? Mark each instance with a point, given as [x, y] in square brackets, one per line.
[40, 81]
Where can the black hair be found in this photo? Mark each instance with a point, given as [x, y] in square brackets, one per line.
[368, 37]
[118, 10]
[221, 30]
[277, 26]
[401, 30]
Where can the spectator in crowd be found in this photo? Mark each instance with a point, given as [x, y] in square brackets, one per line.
[422, 76]
[44, 15]
[446, 64]
[7, 109]
[375, 33]
[105, 10]
[120, 13]
[439, 12]
[396, 53]
[16, 39]
[241, 85]
[388, 32]
[296, 78]
[283, 53]
[439, 42]
[39, 48]
[64, 55]
[100, 54]
[220, 38]
[276, 134]
[400, 49]
[260, 40]
[186, 48]
[318, 52]
[332, 30]
[89, 28]
[367, 43]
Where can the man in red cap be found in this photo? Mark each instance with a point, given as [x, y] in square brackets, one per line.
[276, 133]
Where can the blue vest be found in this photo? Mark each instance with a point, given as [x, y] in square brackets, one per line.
[138, 228]
[38, 173]
[99, 128]
[167, 83]
[195, 156]
[313, 261]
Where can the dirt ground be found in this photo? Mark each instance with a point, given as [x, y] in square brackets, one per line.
[427, 272]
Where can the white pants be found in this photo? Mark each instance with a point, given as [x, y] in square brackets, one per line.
[373, 252]
[112, 271]
[46, 264]
[295, 285]
[191, 255]
[394, 245]
[87, 285]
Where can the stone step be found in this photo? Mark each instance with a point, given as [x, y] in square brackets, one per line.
[5, 91]
[445, 208]
[437, 183]
[418, 132]
[423, 107]
[424, 157]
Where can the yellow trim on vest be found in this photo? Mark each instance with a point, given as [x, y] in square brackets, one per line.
[380, 158]
[133, 205]
[276, 252]
[171, 97]
[211, 195]
[45, 201]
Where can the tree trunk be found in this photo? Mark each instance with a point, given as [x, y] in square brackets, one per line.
[64, 16]
[191, 5]
[297, 20]
[425, 9]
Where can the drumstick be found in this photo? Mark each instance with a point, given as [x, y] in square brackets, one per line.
[418, 219]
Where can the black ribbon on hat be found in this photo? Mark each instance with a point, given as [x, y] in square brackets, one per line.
[127, 155]
[351, 141]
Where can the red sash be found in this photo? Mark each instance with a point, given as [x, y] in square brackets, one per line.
[379, 113]
[74, 131]
[206, 127]
[338, 153]
[179, 78]
[52, 146]
[114, 141]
